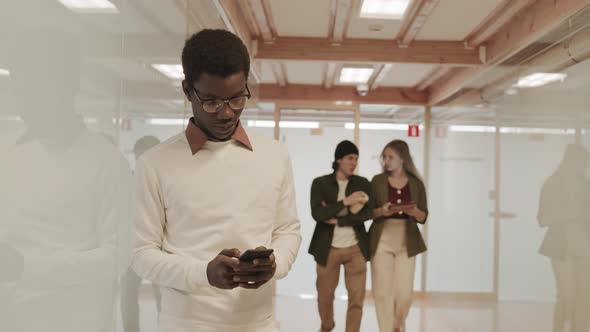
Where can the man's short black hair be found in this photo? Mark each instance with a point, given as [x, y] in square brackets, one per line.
[215, 52]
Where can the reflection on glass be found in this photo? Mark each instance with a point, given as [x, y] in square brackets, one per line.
[64, 197]
[131, 282]
[563, 211]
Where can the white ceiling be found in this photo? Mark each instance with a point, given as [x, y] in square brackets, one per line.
[132, 70]
[128, 20]
[301, 18]
[455, 19]
[166, 18]
[304, 72]
[266, 74]
[406, 74]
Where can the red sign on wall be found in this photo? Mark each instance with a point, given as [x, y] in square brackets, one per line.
[413, 131]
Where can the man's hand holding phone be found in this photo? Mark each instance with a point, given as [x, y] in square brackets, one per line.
[221, 270]
[256, 268]
[232, 268]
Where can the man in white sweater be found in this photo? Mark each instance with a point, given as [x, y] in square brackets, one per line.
[64, 195]
[206, 195]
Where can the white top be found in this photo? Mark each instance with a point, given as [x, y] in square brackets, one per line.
[62, 210]
[191, 207]
[344, 236]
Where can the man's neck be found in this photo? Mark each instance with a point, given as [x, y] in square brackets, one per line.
[215, 139]
[340, 176]
[212, 138]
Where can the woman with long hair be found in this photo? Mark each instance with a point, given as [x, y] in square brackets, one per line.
[395, 240]
[563, 211]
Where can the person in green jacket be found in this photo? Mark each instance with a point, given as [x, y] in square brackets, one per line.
[340, 204]
[395, 240]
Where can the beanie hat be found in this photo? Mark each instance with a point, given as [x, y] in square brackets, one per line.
[343, 149]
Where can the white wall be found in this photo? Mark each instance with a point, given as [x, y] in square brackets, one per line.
[460, 237]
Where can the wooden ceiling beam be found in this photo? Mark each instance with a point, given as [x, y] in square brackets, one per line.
[250, 19]
[414, 20]
[261, 15]
[330, 74]
[531, 25]
[381, 70]
[525, 28]
[340, 15]
[314, 93]
[232, 16]
[368, 50]
[502, 14]
[280, 73]
[432, 77]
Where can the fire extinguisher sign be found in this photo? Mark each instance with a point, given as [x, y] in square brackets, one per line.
[413, 131]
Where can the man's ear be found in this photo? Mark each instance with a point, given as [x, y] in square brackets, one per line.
[186, 90]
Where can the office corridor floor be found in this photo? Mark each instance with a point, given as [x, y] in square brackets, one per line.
[426, 315]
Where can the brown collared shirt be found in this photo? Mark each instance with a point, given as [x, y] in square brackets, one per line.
[197, 138]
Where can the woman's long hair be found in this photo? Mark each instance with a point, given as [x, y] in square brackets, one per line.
[402, 148]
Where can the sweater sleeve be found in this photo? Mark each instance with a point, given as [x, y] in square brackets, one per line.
[286, 235]
[148, 260]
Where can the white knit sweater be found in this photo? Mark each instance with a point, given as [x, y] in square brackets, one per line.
[190, 207]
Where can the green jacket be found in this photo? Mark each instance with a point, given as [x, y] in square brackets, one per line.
[414, 241]
[325, 189]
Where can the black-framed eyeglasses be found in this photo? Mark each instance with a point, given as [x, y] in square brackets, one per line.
[215, 105]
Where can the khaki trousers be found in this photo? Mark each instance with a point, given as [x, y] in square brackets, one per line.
[355, 275]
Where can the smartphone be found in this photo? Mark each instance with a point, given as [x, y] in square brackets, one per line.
[402, 207]
[252, 254]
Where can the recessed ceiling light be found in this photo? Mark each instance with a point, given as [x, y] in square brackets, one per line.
[90, 6]
[539, 79]
[284, 124]
[377, 126]
[356, 75]
[384, 9]
[4, 72]
[172, 71]
[168, 121]
[473, 129]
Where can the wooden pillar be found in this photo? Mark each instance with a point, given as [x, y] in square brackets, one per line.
[426, 177]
